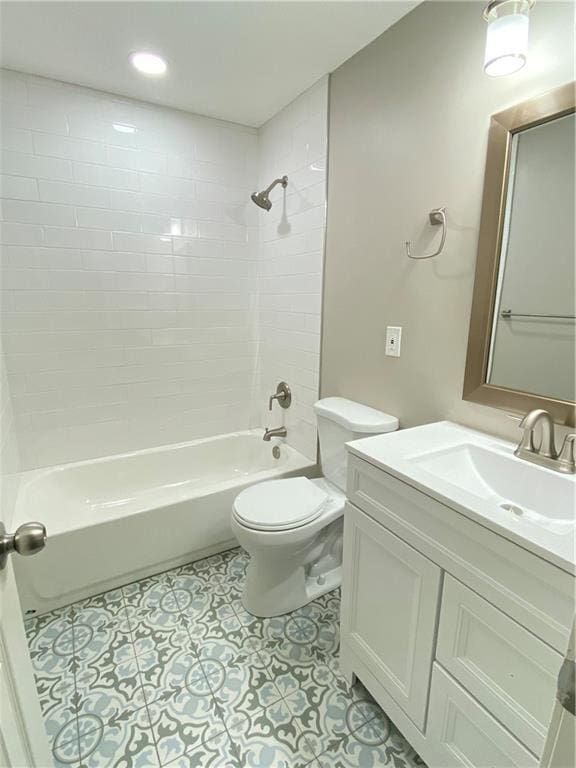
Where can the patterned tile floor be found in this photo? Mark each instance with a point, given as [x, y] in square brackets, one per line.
[172, 671]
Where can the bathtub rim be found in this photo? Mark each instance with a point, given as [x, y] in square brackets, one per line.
[23, 511]
[29, 595]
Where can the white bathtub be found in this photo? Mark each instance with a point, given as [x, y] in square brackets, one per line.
[113, 520]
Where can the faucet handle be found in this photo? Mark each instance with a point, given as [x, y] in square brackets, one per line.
[283, 395]
[566, 457]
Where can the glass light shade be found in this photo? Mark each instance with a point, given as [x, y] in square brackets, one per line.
[506, 38]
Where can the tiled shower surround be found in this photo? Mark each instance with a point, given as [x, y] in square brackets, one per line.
[172, 671]
[139, 299]
[290, 260]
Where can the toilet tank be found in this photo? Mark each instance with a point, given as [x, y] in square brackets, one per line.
[339, 421]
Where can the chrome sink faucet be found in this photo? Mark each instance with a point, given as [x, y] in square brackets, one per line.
[545, 454]
[277, 432]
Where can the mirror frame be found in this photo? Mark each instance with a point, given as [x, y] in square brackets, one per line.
[503, 125]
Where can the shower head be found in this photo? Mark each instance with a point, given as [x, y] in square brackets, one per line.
[262, 199]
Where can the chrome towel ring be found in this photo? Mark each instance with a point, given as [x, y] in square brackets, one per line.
[436, 216]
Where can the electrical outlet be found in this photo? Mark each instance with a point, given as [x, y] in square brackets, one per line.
[393, 340]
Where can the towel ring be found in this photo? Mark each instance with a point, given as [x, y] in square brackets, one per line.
[436, 216]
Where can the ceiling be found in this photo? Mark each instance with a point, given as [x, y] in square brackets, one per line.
[239, 61]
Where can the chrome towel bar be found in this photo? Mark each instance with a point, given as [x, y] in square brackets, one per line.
[507, 314]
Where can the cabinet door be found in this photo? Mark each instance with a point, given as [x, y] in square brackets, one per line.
[390, 602]
[506, 668]
[461, 733]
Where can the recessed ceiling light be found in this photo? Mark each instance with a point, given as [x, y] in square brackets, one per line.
[148, 63]
[123, 128]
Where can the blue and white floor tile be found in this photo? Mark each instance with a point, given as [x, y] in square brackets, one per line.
[172, 671]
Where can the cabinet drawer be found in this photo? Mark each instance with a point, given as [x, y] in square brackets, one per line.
[509, 671]
[536, 593]
[390, 599]
[462, 733]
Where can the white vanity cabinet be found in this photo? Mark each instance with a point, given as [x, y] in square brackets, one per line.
[392, 586]
[458, 632]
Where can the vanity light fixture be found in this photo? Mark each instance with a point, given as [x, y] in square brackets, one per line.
[506, 36]
[148, 63]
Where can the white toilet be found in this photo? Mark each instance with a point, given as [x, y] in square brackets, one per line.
[292, 529]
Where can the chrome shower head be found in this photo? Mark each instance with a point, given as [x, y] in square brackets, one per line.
[262, 199]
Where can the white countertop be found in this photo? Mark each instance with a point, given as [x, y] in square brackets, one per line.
[478, 475]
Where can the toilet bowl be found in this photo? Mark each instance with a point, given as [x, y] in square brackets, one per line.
[292, 528]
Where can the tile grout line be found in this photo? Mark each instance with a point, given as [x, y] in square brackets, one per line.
[226, 728]
[75, 661]
[122, 600]
[199, 660]
[152, 734]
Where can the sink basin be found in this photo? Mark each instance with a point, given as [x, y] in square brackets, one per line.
[503, 481]
[479, 476]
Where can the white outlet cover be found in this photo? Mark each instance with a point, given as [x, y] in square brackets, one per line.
[393, 340]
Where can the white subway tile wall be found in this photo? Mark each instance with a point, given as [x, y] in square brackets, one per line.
[9, 458]
[129, 272]
[290, 262]
[133, 303]
[9, 453]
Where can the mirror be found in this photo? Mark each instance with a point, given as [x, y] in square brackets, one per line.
[522, 342]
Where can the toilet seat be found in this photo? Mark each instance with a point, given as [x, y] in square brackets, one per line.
[280, 505]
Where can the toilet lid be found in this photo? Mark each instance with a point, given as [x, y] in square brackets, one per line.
[280, 504]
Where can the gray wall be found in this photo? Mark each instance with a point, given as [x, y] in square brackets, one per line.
[408, 127]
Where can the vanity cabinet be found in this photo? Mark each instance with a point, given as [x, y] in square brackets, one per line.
[458, 632]
[397, 588]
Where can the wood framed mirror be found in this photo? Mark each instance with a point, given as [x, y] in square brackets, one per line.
[521, 344]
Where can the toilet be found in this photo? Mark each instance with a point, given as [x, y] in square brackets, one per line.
[292, 528]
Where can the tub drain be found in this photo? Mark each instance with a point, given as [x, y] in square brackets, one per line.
[276, 451]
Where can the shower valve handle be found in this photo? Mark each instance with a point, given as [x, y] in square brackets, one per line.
[29, 539]
[283, 395]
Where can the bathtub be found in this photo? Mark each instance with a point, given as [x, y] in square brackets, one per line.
[121, 518]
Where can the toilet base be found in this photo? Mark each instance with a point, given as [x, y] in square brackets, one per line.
[272, 591]
[319, 585]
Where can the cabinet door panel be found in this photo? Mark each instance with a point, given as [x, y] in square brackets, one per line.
[390, 602]
[509, 670]
[461, 733]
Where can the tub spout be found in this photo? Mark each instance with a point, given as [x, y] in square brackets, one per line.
[270, 433]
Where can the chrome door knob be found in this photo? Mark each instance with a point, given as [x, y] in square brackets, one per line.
[29, 539]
